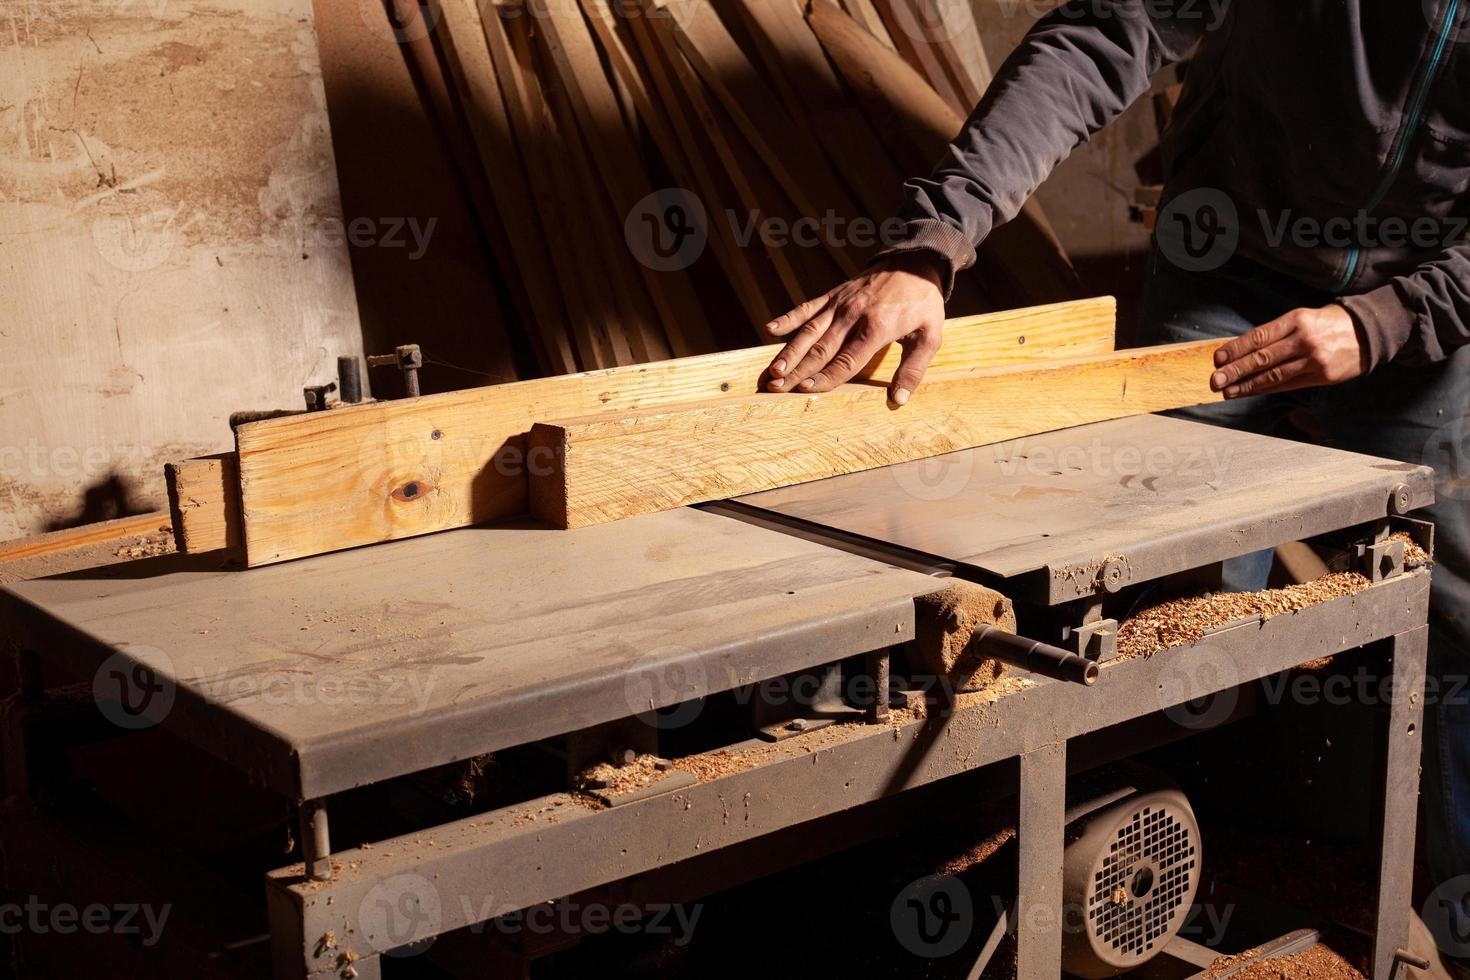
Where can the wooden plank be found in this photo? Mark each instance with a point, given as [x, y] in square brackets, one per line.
[323, 481]
[1024, 253]
[573, 54]
[204, 503]
[738, 167]
[102, 532]
[637, 326]
[754, 286]
[812, 91]
[909, 25]
[865, 12]
[523, 105]
[604, 468]
[468, 56]
[798, 165]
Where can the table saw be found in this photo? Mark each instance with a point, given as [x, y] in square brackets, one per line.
[603, 648]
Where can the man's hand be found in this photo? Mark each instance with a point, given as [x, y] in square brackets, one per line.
[834, 336]
[1301, 349]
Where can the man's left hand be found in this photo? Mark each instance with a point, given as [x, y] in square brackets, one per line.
[1302, 349]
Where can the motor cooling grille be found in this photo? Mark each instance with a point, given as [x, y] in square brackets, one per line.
[1142, 882]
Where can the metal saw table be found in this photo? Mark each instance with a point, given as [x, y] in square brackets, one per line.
[318, 676]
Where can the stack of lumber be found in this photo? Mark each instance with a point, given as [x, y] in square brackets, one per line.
[603, 445]
[639, 168]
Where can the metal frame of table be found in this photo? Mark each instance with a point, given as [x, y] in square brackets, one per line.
[674, 592]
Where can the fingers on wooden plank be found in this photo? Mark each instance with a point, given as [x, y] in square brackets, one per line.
[324, 481]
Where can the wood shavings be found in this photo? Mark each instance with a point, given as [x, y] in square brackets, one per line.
[1183, 621]
[1320, 962]
[616, 780]
[1413, 554]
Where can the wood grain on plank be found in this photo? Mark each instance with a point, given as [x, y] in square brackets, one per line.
[54, 542]
[204, 503]
[604, 468]
[324, 481]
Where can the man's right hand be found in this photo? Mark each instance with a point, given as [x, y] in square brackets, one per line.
[834, 336]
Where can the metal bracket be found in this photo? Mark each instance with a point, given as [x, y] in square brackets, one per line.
[1097, 641]
[408, 359]
[1381, 559]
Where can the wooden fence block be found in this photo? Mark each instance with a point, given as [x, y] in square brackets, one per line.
[603, 468]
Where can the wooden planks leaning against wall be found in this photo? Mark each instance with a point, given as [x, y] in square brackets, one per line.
[360, 474]
[607, 467]
[600, 133]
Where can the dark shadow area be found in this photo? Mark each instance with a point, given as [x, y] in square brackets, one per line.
[106, 500]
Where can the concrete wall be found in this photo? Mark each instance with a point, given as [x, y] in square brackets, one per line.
[171, 245]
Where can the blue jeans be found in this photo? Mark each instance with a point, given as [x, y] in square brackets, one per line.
[1399, 412]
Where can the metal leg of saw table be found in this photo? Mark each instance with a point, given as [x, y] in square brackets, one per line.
[1040, 829]
[1400, 795]
[316, 841]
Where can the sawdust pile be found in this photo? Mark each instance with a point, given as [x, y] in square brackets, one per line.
[617, 780]
[160, 542]
[1182, 621]
[1318, 963]
[1413, 554]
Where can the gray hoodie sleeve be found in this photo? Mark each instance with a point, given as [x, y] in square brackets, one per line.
[1422, 317]
[1075, 72]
